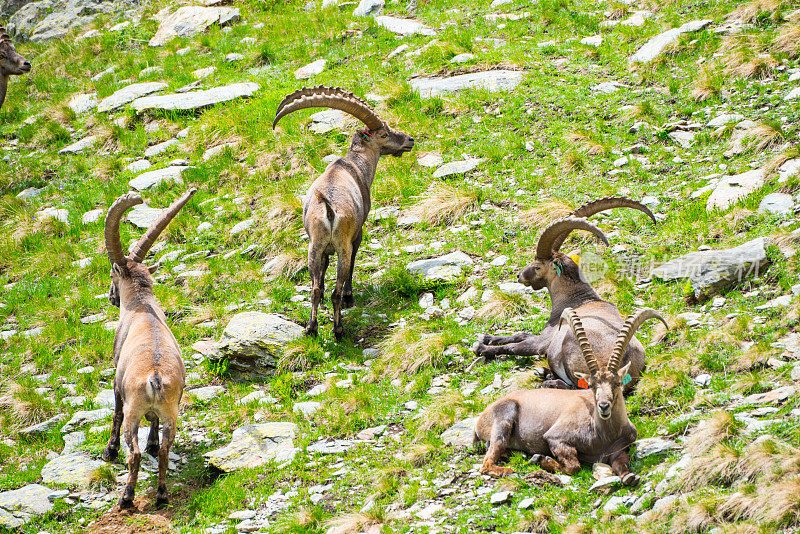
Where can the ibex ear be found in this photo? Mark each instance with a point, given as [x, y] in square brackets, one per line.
[153, 268]
[623, 372]
[584, 380]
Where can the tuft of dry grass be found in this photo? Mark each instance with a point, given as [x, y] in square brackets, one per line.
[757, 10]
[695, 517]
[25, 406]
[743, 56]
[289, 264]
[586, 143]
[778, 503]
[283, 210]
[766, 136]
[720, 465]
[418, 454]
[573, 162]
[443, 412]
[708, 84]
[788, 40]
[407, 351]
[444, 203]
[543, 213]
[538, 522]
[351, 523]
[503, 306]
[719, 427]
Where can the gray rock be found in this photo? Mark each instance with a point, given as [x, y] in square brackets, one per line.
[84, 417]
[51, 19]
[369, 8]
[143, 216]
[79, 146]
[703, 380]
[711, 270]
[457, 167]
[129, 94]
[257, 396]
[656, 45]
[654, 446]
[150, 178]
[155, 150]
[778, 203]
[460, 434]
[444, 267]
[74, 469]
[430, 159]
[725, 118]
[501, 497]
[371, 433]
[788, 169]
[91, 216]
[72, 441]
[307, 408]
[605, 484]
[105, 398]
[404, 26]
[606, 87]
[9, 7]
[252, 341]
[794, 94]
[196, 99]
[30, 192]
[254, 445]
[44, 427]
[731, 189]
[83, 102]
[683, 138]
[462, 58]
[241, 226]
[492, 80]
[312, 69]
[215, 151]
[206, 393]
[332, 446]
[188, 21]
[139, 165]
[53, 213]
[230, 58]
[775, 396]
[19, 506]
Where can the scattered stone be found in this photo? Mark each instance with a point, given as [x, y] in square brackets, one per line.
[129, 94]
[778, 302]
[83, 103]
[79, 146]
[724, 119]
[327, 120]
[196, 99]
[656, 45]
[73, 469]
[159, 148]
[232, 57]
[775, 396]
[501, 497]
[371, 433]
[445, 267]
[492, 80]
[151, 178]
[41, 428]
[404, 26]
[683, 138]
[191, 20]
[19, 506]
[240, 227]
[312, 69]
[730, 189]
[462, 58]
[30, 192]
[777, 203]
[788, 169]
[460, 434]
[307, 408]
[205, 393]
[594, 40]
[253, 340]
[605, 484]
[369, 8]
[457, 167]
[53, 213]
[429, 511]
[711, 270]
[81, 418]
[215, 151]
[143, 216]
[703, 380]
[255, 445]
[654, 446]
[429, 159]
[332, 446]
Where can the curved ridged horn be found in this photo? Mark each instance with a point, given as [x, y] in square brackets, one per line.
[328, 97]
[603, 204]
[562, 227]
[625, 335]
[152, 233]
[115, 212]
[580, 334]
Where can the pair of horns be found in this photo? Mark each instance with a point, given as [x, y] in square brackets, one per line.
[123, 204]
[328, 97]
[557, 232]
[624, 337]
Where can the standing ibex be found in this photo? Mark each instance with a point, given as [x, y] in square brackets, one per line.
[338, 202]
[11, 63]
[150, 375]
[563, 428]
[568, 288]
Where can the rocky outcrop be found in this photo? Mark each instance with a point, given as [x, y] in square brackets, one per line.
[50, 19]
[19, 506]
[191, 20]
[196, 99]
[74, 469]
[255, 445]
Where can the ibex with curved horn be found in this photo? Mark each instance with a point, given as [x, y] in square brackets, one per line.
[11, 63]
[568, 287]
[562, 428]
[150, 375]
[338, 202]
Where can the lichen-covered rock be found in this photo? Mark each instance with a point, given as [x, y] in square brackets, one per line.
[74, 469]
[711, 270]
[196, 99]
[255, 445]
[460, 434]
[43, 427]
[19, 506]
[84, 417]
[129, 94]
[253, 341]
[444, 267]
[191, 20]
[731, 189]
[656, 45]
[51, 19]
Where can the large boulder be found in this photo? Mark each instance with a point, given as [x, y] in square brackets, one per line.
[492, 80]
[730, 189]
[19, 506]
[196, 99]
[656, 45]
[253, 341]
[254, 445]
[712, 270]
[51, 19]
[191, 20]
[9, 7]
[129, 94]
[74, 469]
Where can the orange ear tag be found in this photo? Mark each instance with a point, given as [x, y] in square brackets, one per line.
[583, 384]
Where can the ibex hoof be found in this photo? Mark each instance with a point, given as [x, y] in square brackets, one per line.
[348, 301]
[630, 479]
[311, 330]
[126, 504]
[152, 449]
[478, 348]
[161, 501]
[109, 455]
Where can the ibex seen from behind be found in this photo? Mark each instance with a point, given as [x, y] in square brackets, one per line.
[150, 375]
[568, 288]
[338, 202]
[562, 428]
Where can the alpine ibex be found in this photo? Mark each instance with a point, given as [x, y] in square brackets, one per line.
[150, 375]
[338, 202]
[11, 63]
[562, 428]
[568, 287]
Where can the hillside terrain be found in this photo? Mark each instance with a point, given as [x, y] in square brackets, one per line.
[521, 111]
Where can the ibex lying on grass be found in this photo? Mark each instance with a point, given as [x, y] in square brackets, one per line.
[150, 375]
[11, 63]
[337, 203]
[568, 288]
[562, 428]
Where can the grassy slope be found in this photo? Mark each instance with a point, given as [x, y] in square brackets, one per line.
[268, 169]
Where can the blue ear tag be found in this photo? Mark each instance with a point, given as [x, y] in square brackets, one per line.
[626, 380]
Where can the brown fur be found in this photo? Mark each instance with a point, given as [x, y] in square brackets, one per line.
[11, 63]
